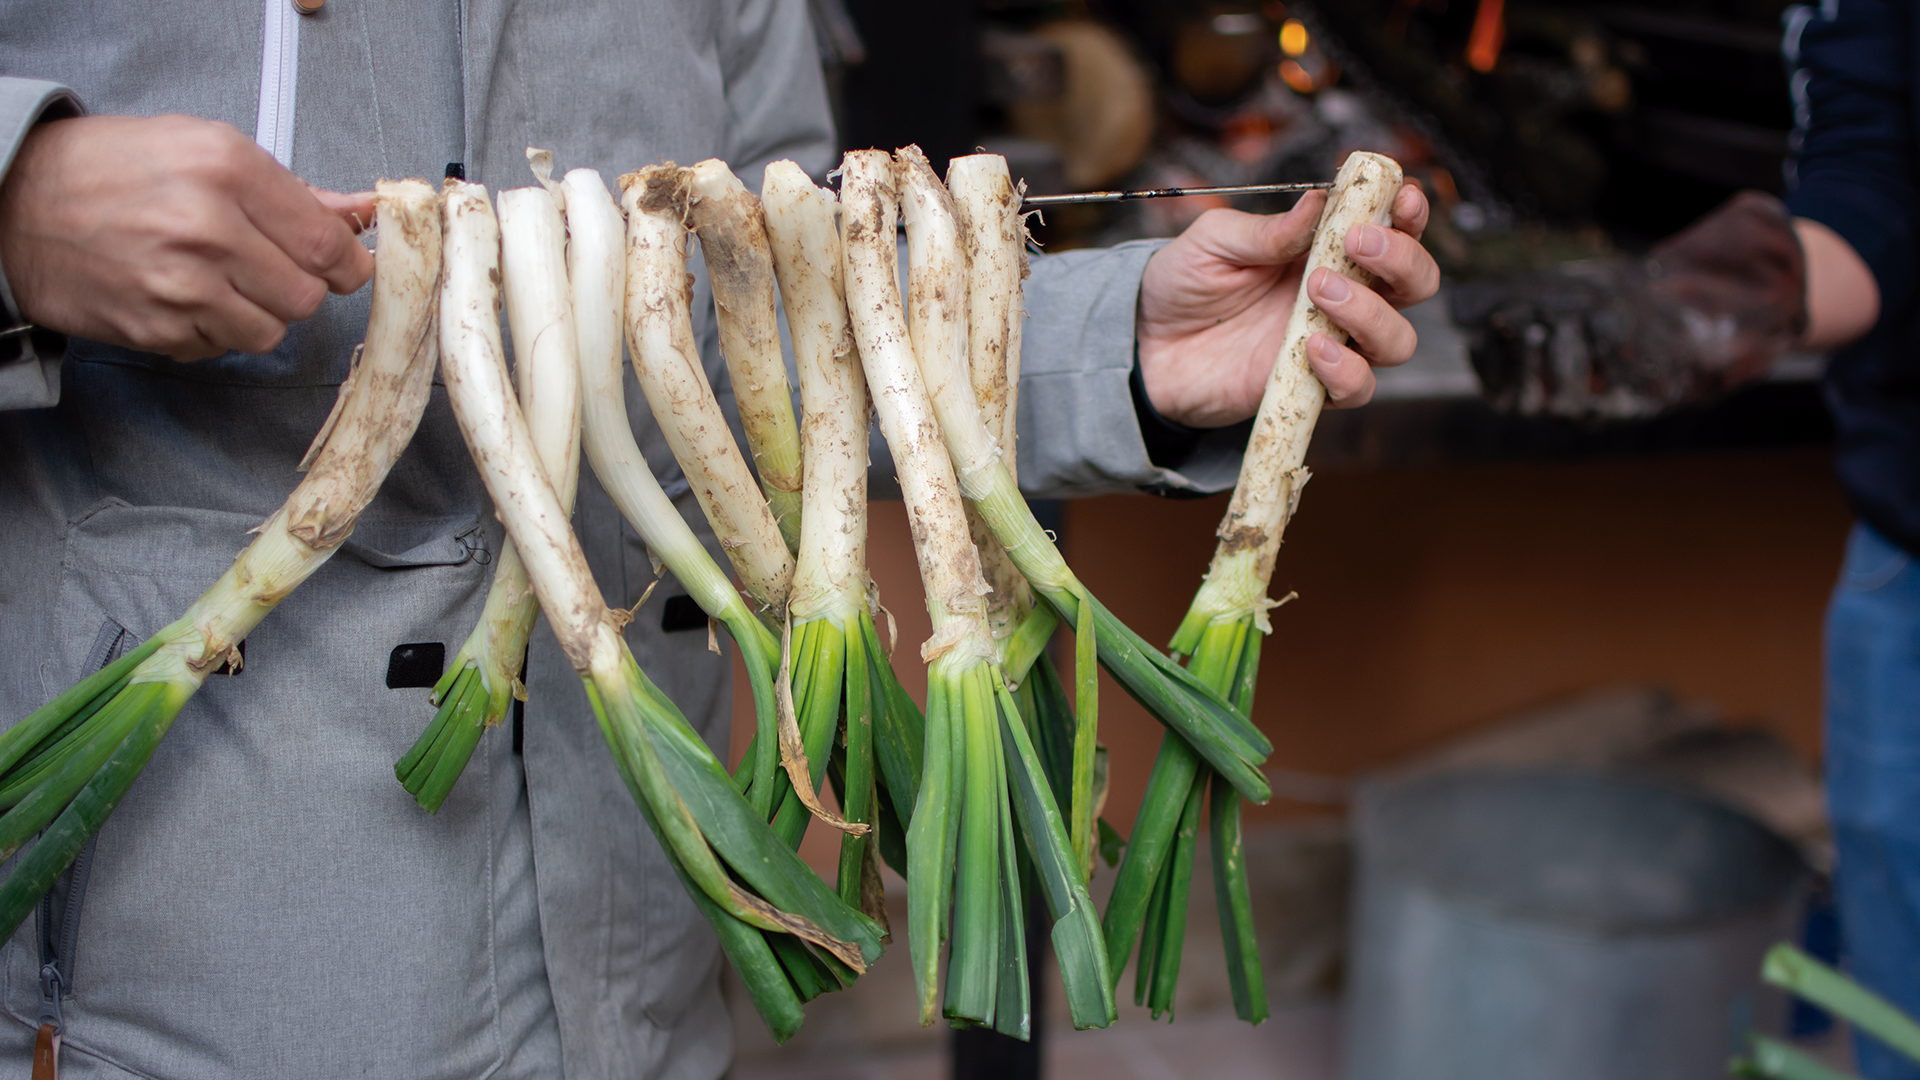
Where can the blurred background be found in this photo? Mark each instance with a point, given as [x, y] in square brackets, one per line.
[1640, 601]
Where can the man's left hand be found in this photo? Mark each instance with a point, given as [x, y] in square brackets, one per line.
[1214, 305]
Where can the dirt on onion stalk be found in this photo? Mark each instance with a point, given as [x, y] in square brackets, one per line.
[659, 323]
[979, 772]
[733, 240]
[65, 767]
[1221, 636]
[786, 933]
[484, 678]
[852, 714]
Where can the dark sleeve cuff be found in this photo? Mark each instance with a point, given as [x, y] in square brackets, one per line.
[1169, 443]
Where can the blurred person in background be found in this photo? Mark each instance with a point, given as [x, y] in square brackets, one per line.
[1831, 270]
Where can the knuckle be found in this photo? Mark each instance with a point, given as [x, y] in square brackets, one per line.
[172, 283]
[307, 297]
[157, 332]
[1429, 280]
[1218, 222]
[220, 155]
[1402, 342]
[317, 244]
[192, 223]
[1354, 383]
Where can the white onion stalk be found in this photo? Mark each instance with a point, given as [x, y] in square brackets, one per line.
[943, 295]
[596, 256]
[669, 771]
[1222, 635]
[1274, 469]
[659, 327]
[485, 676]
[840, 670]
[987, 206]
[63, 768]
[1170, 692]
[979, 764]
[987, 202]
[733, 240]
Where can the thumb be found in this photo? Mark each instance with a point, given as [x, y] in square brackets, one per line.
[1243, 239]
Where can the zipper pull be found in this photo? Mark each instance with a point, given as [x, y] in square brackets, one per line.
[50, 987]
[46, 1053]
[46, 1045]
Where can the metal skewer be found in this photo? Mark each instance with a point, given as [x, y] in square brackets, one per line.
[1170, 193]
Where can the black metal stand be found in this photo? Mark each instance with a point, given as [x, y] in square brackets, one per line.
[985, 1054]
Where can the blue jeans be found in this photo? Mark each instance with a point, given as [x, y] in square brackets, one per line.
[1873, 776]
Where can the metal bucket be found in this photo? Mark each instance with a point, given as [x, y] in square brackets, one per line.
[1563, 925]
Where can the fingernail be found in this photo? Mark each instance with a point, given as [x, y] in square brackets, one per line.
[1373, 241]
[1333, 287]
[1325, 354]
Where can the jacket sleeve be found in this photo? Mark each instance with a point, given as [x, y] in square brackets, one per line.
[29, 357]
[1079, 430]
[1852, 80]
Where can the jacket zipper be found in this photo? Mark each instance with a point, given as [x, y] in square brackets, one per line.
[279, 73]
[60, 908]
[58, 939]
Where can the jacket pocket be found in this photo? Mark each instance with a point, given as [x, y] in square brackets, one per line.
[267, 900]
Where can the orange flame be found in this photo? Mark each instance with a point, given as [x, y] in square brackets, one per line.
[1489, 34]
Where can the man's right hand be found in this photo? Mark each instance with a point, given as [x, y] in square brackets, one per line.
[171, 235]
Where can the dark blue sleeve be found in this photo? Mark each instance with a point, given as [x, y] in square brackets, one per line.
[1851, 65]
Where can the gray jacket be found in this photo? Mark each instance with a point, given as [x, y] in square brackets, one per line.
[268, 900]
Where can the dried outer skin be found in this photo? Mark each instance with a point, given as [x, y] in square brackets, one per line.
[1012, 597]
[375, 416]
[988, 204]
[733, 240]
[829, 578]
[938, 290]
[988, 209]
[474, 368]
[659, 325]
[949, 566]
[937, 316]
[381, 401]
[1273, 470]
